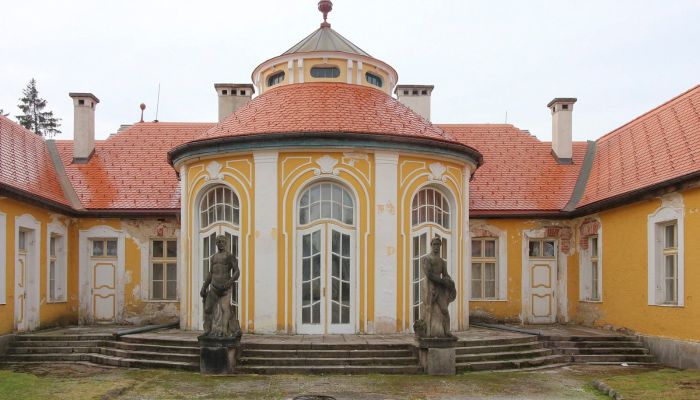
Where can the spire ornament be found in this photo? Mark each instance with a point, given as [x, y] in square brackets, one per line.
[325, 6]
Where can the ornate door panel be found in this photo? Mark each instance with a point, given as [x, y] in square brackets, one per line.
[541, 278]
[103, 267]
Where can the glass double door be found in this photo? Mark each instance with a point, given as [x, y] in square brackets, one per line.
[326, 280]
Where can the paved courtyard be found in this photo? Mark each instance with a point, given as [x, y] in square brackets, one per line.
[83, 381]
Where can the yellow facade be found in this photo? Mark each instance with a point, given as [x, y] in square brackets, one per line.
[50, 314]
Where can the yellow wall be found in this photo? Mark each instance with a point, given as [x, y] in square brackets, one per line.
[50, 314]
[624, 302]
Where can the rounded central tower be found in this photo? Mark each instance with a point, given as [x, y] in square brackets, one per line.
[325, 56]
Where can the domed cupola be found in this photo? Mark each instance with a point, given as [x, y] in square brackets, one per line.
[325, 56]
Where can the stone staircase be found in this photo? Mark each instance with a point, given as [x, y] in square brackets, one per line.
[505, 353]
[600, 349]
[104, 349]
[318, 358]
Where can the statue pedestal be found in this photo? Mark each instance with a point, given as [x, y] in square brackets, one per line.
[437, 355]
[217, 355]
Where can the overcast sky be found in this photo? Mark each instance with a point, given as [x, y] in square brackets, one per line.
[485, 58]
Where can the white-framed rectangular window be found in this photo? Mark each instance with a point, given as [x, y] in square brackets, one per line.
[591, 270]
[484, 273]
[56, 263]
[666, 256]
[104, 247]
[163, 262]
[3, 258]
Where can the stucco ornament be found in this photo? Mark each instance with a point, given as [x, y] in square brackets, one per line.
[351, 158]
[437, 171]
[326, 166]
[214, 170]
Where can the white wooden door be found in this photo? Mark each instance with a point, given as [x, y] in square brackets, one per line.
[103, 268]
[541, 282]
[21, 281]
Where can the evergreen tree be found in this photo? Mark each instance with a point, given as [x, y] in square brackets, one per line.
[43, 123]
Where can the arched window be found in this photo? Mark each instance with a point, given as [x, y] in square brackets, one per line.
[326, 201]
[325, 72]
[219, 204]
[430, 217]
[373, 79]
[429, 205]
[274, 79]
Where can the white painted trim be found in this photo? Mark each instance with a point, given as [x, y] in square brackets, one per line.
[300, 67]
[32, 271]
[266, 258]
[59, 229]
[350, 67]
[182, 254]
[290, 70]
[85, 311]
[359, 72]
[671, 209]
[501, 261]
[466, 248]
[584, 275]
[3, 258]
[385, 240]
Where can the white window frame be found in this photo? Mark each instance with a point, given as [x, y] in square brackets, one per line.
[483, 259]
[656, 225]
[58, 231]
[4, 251]
[586, 270]
[501, 236]
[163, 260]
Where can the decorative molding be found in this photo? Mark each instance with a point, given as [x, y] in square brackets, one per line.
[437, 172]
[214, 170]
[327, 166]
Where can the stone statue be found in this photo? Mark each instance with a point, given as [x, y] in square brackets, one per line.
[220, 319]
[437, 292]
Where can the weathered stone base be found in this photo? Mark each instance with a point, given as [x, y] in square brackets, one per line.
[437, 355]
[5, 341]
[217, 356]
[674, 353]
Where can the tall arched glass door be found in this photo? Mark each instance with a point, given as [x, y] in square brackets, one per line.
[219, 214]
[430, 217]
[326, 260]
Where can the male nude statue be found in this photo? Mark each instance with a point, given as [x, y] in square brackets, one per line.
[219, 318]
[438, 292]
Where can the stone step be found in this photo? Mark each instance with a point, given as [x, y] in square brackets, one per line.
[323, 346]
[570, 344]
[496, 341]
[499, 348]
[511, 364]
[590, 338]
[617, 358]
[47, 357]
[267, 353]
[332, 369]
[150, 356]
[509, 355]
[322, 362]
[49, 350]
[59, 343]
[153, 348]
[159, 342]
[60, 338]
[101, 359]
[602, 350]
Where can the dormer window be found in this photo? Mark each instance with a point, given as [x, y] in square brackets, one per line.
[373, 79]
[275, 79]
[325, 72]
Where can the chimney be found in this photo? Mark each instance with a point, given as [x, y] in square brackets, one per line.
[415, 97]
[232, 96]
[562, 109]
[83, 126]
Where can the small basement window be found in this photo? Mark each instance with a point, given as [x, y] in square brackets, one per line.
[373, 79]
[275, 79]
[325, 72]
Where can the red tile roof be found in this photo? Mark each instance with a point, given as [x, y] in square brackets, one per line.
[25, 163]
[130, 170]
[519, 174]
[326, 108]
[658, 146]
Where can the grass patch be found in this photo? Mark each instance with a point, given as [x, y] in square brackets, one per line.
[667, 384]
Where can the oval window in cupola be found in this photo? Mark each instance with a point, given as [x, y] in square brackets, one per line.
[275, 79]
[373, 79]
[325, 72]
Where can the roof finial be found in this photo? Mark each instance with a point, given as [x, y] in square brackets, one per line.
[325, 6]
